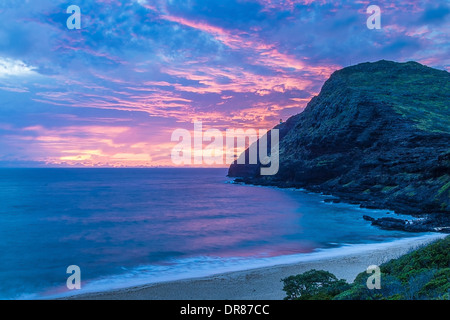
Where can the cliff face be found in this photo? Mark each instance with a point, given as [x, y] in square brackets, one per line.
[377, 134]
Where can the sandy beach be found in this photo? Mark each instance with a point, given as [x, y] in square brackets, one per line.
[264, 283]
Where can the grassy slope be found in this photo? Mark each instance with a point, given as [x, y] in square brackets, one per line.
[421, 274]
[429, 110]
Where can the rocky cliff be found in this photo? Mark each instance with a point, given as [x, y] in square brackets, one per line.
[378, 134]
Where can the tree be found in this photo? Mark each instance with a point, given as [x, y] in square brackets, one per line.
[313, 284]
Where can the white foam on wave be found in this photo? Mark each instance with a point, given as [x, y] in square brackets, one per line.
[197, 267]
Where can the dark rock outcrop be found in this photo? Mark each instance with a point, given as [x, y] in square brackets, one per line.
[378, 134]
[437, 223]
[367, 218]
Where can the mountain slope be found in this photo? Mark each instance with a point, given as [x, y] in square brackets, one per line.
[377, 134]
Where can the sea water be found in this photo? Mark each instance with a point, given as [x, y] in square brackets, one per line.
[126, 227]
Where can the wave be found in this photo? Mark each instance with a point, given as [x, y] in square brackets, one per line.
[203, 266]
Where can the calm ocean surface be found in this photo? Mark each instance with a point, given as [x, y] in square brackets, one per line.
[126, 227]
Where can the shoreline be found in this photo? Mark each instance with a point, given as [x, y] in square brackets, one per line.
[264, 283]
[426, 222]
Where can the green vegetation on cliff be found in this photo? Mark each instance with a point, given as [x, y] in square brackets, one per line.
[377, 134]
[423, 274]
[405, 91]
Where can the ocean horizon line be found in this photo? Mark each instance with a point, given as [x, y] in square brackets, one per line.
[104, 167]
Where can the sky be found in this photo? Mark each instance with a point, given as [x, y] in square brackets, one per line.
[112, 93]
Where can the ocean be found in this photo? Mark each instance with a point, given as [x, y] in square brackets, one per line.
[126, 227]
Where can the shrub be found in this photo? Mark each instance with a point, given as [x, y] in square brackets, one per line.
[313, 285]
[421, 274]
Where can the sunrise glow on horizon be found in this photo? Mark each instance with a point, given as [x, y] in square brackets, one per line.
[111, 93]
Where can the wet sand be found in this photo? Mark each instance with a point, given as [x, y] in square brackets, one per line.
[265, 283]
